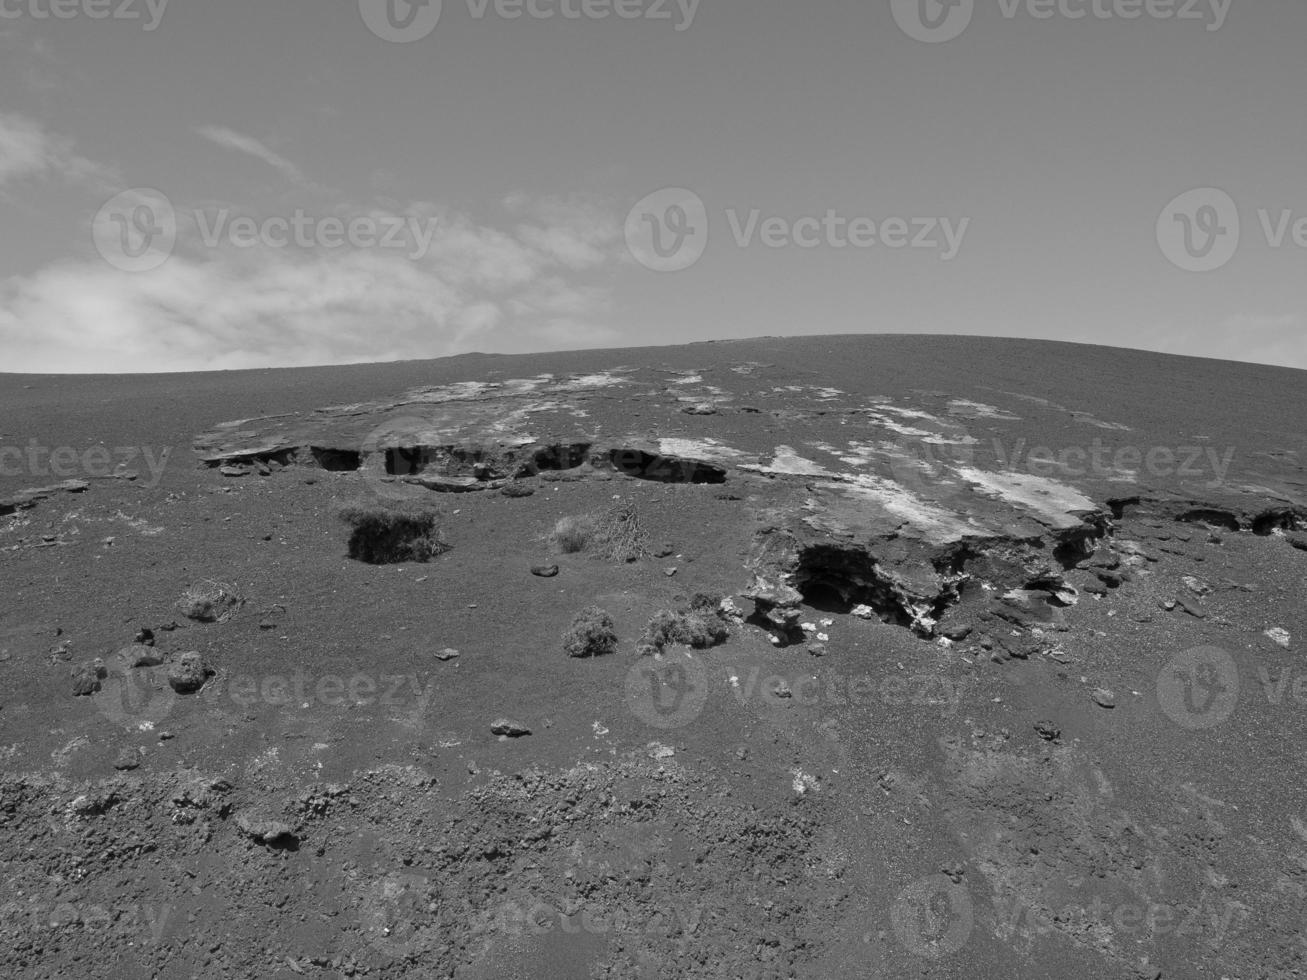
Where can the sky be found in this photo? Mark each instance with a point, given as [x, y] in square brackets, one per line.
[193, 184]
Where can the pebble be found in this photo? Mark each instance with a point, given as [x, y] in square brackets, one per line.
[1279, 636]
[508, 728]
[449, 653]
[1104, 698]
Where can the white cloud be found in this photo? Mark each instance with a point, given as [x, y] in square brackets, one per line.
[28, 150]
[226, 307]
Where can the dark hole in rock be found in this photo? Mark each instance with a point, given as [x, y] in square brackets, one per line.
[1118, 506]
[664, 469]
[835, 579]
[1280, 519]
[282, 457]
[1218, 518]
[549, 459]
[336, 460]
[405, 460]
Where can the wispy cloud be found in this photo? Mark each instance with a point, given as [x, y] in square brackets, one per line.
[28, 150]
[478, 287]
[233, 140]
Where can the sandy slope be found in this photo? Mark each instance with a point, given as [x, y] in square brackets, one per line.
[943, 793]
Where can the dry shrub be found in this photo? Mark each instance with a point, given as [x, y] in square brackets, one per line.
[700, 626]
[620, 534]
[573, 534]
[390, 534]
[591, 634]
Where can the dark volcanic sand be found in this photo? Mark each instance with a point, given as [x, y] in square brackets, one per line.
[334, 803]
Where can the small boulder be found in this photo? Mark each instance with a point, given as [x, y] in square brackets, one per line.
[189, 673]
[262, 830]
[1104, 698]
[544, 571]
[508, 728]
[87, 677]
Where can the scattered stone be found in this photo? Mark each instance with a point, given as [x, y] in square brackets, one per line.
[1196, 585]
[1192, 608]
[87, 677]
[1104, 698]
[782, 690]
[144, 636]
[127, 760]
[817, 649]
[210, 602]
[704, 408]
[518, 490]
[544, 571]
[1299, 541]
[664, 550]
[449, 653]
[1167, 604]
[233, 471]
[264, 831]
[271, 617]
[863, 611]
[189, 673]
[1279, 636]
[507, 728]
[669, 572]
[1048, 731]
[659, 751]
